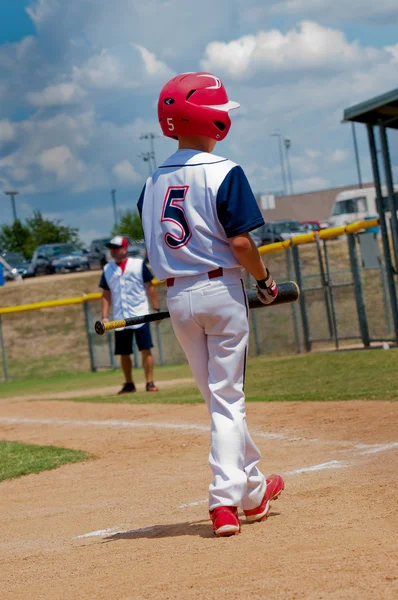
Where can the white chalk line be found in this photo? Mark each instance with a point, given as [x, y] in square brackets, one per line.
[364, 449]
[332, 464]
[115, 423]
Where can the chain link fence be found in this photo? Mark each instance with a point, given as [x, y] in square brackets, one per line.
[343, 300]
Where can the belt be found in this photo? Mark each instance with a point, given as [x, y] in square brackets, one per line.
[211, 275]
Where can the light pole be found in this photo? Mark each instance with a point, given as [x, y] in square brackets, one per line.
[113, 194]
[151, 137]
[288, 143]
[146, 157]
[278, 135]
[12, 196]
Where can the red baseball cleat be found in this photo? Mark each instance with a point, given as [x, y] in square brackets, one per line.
[151, 387]
[274, 488]
[225, 521]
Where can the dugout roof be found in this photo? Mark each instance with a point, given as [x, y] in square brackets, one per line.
[381, 110]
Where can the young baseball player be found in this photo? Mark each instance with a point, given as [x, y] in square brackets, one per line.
[197, 210]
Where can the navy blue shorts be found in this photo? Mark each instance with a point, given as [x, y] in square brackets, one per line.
[124, 339]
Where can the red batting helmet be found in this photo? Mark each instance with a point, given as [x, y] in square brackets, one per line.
[195, 104]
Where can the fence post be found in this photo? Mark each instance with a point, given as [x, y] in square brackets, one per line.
[363, 323]
[110, 348]
[303, 306]
[325, 284]
[87, 321]
[3, 352]
[159, 343]
[331, 295]
[385, 297]
[135, 354]
[296, 323]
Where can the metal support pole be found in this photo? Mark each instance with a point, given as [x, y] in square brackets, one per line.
[159, 343]
[385, 298]
[331, 296]
[384, 230]
[113, 194]
[288, 143]
[303, 306]
[325, 285]
[87, 321]
[136, 355]
[356, 274]
[110, 348]
[354, 137]
[296, 323]
[390, 189]
[3, 352]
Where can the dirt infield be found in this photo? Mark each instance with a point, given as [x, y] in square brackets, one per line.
[133, 523]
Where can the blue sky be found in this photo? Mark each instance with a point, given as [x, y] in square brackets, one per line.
[79, 83]
[14, 21]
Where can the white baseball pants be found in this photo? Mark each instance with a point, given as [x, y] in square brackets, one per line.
[210, 321]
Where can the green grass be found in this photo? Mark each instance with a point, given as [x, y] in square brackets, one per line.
[82, 381]
[329, 376]
[18, 459]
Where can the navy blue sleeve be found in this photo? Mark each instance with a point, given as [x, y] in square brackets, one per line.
[103, 283]
[237, 208]
[146, 274]
[141, 201]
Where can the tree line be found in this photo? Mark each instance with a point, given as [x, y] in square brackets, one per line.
[24, 237]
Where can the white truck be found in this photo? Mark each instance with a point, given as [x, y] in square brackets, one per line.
[355, 205]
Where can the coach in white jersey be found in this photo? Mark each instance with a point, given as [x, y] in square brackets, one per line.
[197, 210]
[126, 282]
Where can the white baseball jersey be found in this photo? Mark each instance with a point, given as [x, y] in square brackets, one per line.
[189, 208]
[127, 286]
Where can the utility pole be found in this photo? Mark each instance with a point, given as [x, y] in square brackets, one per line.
[278, 135]
[113, 194]
[288, 143]
[146, 157]
[12, 196]
[151, 137]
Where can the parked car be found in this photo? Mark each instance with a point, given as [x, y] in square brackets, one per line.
[18, 263]
[98, 252]
[58, 258]
[278, 231]
[313, 225]
[137, 249]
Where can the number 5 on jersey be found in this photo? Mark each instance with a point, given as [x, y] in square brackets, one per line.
[173, 212]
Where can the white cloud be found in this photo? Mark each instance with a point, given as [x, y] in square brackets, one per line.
[339, 155]
[55, 160]
[309, 48]
[41, 10]
[152, 65]
[125, 173]
[7, 131]
[312, 153]
[360, 10]
[56, 95]
[311, 184]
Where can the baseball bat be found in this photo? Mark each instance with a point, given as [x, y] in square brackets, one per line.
[288, 291]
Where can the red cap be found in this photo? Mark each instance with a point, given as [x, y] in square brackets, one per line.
[118, 242]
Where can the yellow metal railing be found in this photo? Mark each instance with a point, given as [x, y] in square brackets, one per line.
[323, 234]
[304, 238]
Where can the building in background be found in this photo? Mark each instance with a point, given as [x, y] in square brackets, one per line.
[302, 207]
